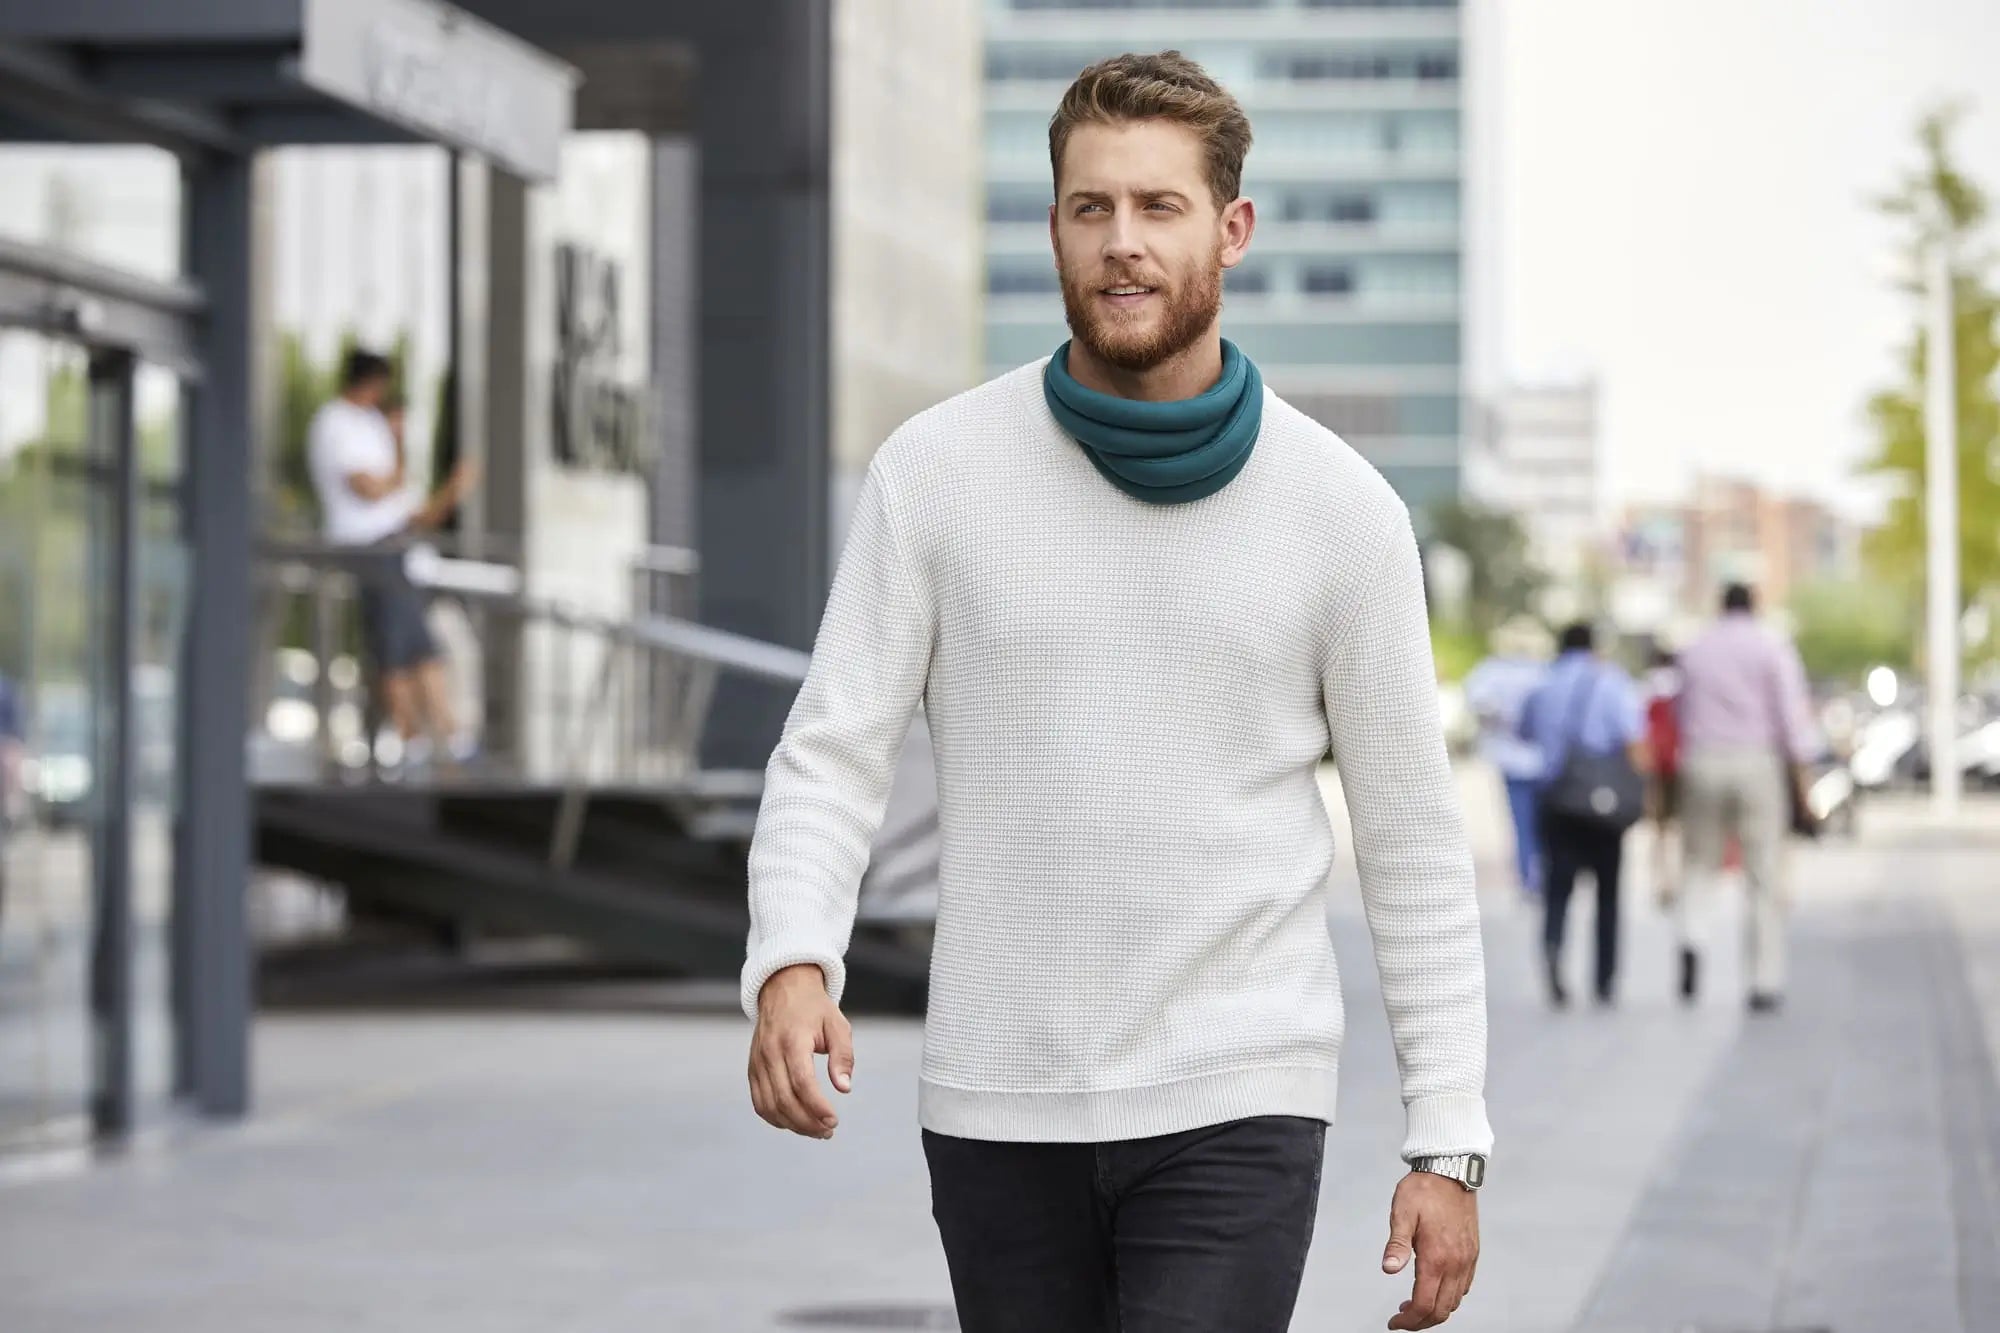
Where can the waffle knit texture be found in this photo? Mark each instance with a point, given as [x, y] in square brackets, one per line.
[1128, 704]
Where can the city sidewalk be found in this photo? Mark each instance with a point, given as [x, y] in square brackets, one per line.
[591, 1163]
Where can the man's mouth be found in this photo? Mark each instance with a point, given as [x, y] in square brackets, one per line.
[1126, 294]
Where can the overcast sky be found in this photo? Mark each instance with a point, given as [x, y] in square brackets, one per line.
[1680, 189]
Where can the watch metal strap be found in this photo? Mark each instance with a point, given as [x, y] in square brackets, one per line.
[1468, 1169]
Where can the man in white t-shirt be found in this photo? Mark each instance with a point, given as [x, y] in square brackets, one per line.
[358, 470]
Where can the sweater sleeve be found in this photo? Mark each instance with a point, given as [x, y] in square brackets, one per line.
[827, 783]
[1381, 700]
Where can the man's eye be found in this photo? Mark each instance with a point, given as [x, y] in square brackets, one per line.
[1089, 208]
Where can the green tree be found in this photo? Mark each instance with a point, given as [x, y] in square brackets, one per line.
[1935, 200]
[303, 385]
[1504, 579]
[1844, 629]
[43, 557]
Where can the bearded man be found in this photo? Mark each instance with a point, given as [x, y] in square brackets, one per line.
[1140, 597]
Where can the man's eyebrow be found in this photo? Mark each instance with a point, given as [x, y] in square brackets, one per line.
[1104, 196]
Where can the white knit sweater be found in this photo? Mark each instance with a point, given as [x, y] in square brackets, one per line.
[1128, 703]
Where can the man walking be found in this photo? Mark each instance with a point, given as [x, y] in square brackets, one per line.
[359, 473]
[1746, 727]
[1586, 707]
[1140, 597]
[1496, 690]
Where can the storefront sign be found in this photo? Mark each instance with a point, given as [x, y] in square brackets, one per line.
[598, 418]
[443, 74]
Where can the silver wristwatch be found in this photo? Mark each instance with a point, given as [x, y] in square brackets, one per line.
[1468, 1169]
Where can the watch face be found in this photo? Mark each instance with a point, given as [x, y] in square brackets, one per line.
[1475, 1171]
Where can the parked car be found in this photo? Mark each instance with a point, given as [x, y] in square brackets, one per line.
[59, 774]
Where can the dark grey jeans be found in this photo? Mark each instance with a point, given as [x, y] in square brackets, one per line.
[1200, 1232]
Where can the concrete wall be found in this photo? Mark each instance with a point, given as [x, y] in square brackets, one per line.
[908, 207]
[585, 524]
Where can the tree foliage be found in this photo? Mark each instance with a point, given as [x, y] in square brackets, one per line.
[1845, 629]
[1936, 201]
[1504, 579]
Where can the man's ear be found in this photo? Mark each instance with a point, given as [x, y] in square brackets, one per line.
[1239, 222]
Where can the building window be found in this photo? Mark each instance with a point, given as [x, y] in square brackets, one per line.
[1347, 206]
[1326, 66]
[1247, 280]
[1352, 208]
[1012, 208]
[1360, 416]
[1379, 4]
[1142, 4]
[1004, 65]
[1022, 282]
[1329, 280]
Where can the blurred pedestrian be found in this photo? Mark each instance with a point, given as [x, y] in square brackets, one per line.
[359, 471]
[1663, 788]
[1747, 732]
[1137, 594]
[1496, 690]
[1585, 720]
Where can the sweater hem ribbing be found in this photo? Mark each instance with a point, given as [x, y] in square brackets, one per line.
[1111, 1114]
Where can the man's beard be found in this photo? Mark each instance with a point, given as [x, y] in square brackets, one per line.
[1191, 303]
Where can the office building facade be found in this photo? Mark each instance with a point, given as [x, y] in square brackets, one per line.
[1537, 458]
[1350, 300]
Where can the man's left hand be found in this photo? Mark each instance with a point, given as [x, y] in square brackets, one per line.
[1434, 1221]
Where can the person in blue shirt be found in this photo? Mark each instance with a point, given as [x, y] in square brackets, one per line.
[1496, 690]
[1589, 702]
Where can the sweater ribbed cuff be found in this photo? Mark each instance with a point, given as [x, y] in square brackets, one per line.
[1447, 1126]
[775, 955]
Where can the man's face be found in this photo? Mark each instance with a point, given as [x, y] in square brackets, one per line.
[371, 391]
[1140, 244]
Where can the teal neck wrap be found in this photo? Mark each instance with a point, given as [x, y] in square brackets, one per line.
[1163, 453]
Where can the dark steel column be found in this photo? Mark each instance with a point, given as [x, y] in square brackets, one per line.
[676, 480]
[503, 365]
[115, 543]
[212, 873]
[765, 440]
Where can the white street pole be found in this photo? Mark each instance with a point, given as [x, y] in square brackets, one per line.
[1941, 530]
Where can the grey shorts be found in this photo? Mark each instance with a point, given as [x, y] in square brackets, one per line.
[392, 620]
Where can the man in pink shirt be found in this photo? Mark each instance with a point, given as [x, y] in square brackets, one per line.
[1746, 727]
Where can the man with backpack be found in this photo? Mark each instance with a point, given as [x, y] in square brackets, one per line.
[1586, 720]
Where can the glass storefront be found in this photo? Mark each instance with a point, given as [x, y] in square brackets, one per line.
[84, 1015]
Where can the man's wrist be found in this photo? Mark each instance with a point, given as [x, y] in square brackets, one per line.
[796, 974]
[1466, 1169]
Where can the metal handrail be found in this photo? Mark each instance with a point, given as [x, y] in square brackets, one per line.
[653, 675]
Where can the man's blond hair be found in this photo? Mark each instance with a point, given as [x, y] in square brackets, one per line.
[1165, 86]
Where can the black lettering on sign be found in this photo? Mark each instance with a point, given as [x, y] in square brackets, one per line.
[598, 419]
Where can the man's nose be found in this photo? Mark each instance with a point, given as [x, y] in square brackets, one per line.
[1122, 238]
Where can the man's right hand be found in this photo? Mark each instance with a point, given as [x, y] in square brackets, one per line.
[463, 478]
[796, 1020]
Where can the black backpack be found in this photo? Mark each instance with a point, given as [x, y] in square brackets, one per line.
[1601, 791]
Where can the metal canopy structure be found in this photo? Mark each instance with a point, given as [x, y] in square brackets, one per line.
[761, 103]
[64, 297]
[213, 83]
[231, 76]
